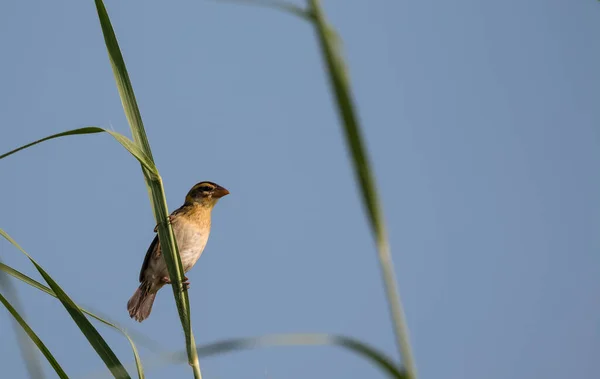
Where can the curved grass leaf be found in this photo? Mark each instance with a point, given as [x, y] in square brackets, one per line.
[92, 335]
[124, 86]
[38, 342]
[330, 45]
[34, 283]
[340, 84]
[377, 358]
[124, 141]
[29, 352]
[275, 4]
[154, 184]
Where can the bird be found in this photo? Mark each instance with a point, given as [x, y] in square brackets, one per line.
[191, 227]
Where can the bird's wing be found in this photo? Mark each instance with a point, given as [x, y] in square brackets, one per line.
[153, 250]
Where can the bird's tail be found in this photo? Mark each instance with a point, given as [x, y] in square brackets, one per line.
[140, 304]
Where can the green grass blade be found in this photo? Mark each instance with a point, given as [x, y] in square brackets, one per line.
[377, 358]
[29, 352]
[340, 84]
[34, 283]
[38, 342]
[173, 260]
[275, 4]
[88, 330]
[363, 350]
[155, 187]
[124, 141]
[330, 44]
[124, 86]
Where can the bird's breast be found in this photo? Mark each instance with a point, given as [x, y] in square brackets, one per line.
[191, 242]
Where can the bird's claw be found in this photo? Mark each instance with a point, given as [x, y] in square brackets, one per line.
[185, 285]
[170, 222]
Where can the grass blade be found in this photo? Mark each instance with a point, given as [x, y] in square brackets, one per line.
[124, 86]
[340, 84]
[154, 184]
[338, 79]
[28, 350]
[140, 155]
[275, 4]
[379, 359]
[38, 342]
[34, 283]
[363, 350]
[92, 335]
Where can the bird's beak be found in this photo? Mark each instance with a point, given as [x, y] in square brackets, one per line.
[219, 192]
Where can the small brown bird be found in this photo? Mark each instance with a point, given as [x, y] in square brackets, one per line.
[191, 227]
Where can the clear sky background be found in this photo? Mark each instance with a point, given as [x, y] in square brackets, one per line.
[482, 122]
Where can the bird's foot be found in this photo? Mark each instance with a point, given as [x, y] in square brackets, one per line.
[170, 222]
[184, 286]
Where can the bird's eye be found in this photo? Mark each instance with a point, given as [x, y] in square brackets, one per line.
[205, 189]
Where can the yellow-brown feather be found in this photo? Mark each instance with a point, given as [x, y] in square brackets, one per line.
[195, 213]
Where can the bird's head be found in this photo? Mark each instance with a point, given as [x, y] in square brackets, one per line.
[206, 194]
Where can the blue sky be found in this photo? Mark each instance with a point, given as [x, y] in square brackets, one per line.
[481, 119]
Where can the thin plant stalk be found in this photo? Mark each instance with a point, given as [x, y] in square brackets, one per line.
[88, 330]
[363, 350]
[340, 84]
[5, 269]
[34, 338]
[28, 351]
[153, 183]
[339, 81]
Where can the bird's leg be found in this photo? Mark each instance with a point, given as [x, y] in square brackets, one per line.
[185, 284]
[170, 222]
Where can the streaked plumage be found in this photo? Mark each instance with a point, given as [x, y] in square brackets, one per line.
[191, 226]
